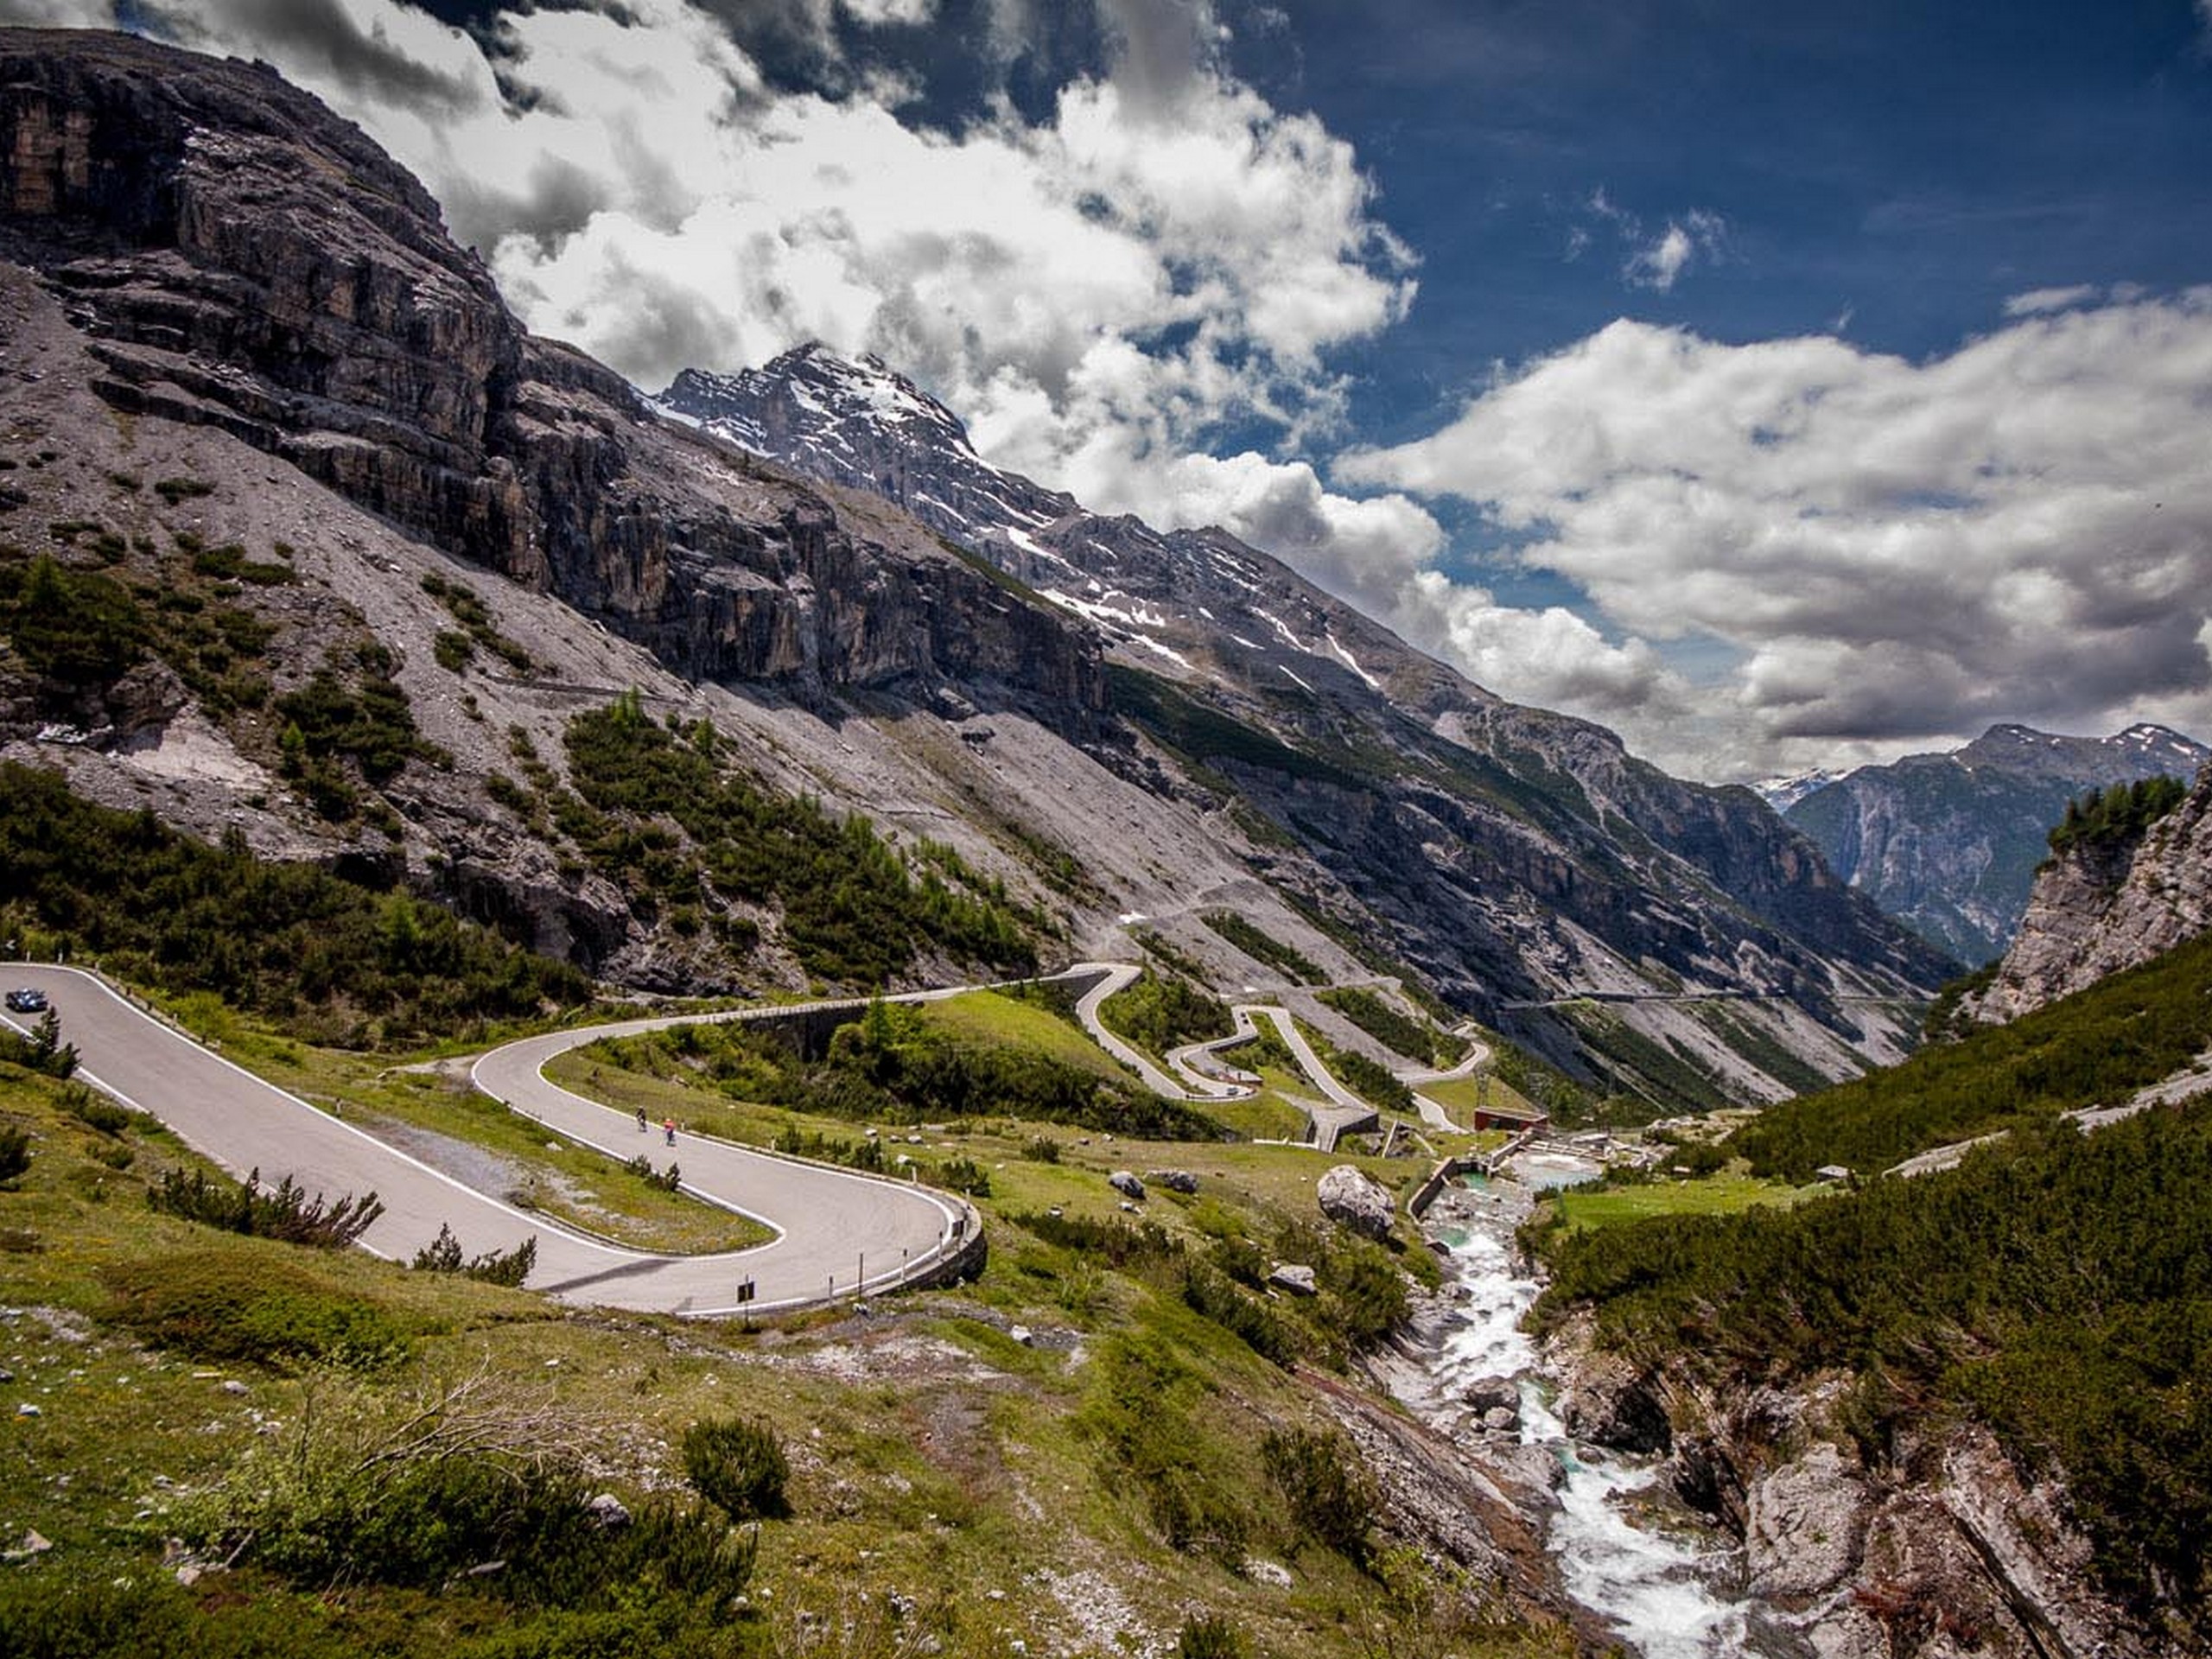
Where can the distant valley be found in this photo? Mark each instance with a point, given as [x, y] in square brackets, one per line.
[1949, 843]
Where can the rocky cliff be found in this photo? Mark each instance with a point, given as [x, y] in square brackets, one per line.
[1942, 1545]
[239, 341]
[1949, 843]
[243, 260]
[2104, 905]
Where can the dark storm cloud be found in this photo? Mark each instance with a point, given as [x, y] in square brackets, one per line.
[319, 39]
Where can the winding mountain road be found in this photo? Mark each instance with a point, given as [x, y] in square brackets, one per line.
[838, 1232]
[1432, 1111]
[832, 1225]
[1346, 1112]
[1478, 1056]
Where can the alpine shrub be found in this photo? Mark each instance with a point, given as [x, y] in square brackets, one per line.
[737, 1463]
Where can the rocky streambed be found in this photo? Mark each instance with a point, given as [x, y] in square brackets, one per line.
[1793, 1547]
[1647, 1572]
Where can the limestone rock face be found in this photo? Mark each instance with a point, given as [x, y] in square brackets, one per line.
[2103, 907]
[1353, 1200]
[247, 261]
[2028, 1544]
[1807, 1519]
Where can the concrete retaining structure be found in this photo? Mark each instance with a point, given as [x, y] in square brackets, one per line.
[1450, 1170]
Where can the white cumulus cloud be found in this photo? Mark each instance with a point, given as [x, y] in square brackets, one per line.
[1889, 551]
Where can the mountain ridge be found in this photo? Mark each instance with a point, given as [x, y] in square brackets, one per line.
[1217, 622]
[234, 292]
[1950, 842]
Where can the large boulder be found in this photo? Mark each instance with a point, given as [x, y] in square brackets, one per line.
[1608, 1399]
[1807, 1519]
[1492, 1394]
[1174, 1180]
[1126, 1183]
[1355, 1200]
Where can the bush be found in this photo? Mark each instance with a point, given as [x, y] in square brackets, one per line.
[14, 1153]
[43, 1051]
[1118, 1241]
[173, 490]
[48, 1616]
[453, 1485]
[508, 1267]
[98, 1111]
[288, 1214]
[1363, 1292]
[1151, 1414]
[218, 1305]
[75, 630]
[1330, 1495]
[963, 1175]
[1264, 948]
[738, 1465]
[1211, 1636]
[366, 721]
[1211, 1293]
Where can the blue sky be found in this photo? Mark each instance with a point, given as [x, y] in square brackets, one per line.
[1902, 168]
[1781, 385]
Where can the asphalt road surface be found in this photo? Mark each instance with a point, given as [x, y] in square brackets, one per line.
[832, 1224]
[838, 1232]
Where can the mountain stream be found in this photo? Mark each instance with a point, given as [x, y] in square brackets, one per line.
[1664, 1584]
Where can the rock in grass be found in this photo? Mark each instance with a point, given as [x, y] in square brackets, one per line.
[1126, 1183]
[1356, 1201]
[1295, 1277]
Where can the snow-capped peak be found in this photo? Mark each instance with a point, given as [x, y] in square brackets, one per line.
[1782, 793]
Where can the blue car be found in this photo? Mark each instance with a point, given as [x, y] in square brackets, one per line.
[27, 999]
